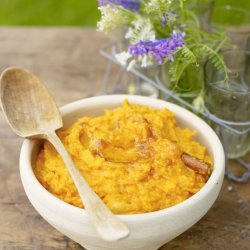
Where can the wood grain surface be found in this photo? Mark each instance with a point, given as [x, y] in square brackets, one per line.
[68, 61]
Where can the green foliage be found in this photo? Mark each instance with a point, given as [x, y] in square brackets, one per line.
[207, 53]
[183, 57]
[49, 12]
[200, 45]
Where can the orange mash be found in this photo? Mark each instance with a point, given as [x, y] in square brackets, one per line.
[130, 156]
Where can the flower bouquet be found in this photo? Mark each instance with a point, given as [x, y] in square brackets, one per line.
[166, 33]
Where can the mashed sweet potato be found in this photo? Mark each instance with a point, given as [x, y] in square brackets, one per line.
[130, 156]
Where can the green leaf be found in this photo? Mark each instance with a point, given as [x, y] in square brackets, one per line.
[207, 53]
[183, 57]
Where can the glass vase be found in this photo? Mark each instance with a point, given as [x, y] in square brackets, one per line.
[229, 100]
[189, 84]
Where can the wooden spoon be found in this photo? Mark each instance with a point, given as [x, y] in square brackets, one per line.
[32, 113]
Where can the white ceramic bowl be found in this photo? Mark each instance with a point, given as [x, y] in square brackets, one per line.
[147, 231]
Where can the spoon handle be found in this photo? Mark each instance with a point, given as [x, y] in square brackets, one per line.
[109, 227]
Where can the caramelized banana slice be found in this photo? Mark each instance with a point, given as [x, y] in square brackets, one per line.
[199, 166]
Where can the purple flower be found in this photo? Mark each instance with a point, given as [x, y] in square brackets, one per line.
[101, 2]
[132, 5]
[160, 49]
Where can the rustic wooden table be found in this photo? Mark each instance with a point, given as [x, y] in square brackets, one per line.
[68, 61]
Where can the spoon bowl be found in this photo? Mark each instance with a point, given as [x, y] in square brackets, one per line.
[27, 104]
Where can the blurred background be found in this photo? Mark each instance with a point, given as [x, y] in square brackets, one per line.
[49, 12]
[63, 12]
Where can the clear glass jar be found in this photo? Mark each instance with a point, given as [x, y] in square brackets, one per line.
[230, 101]
[189, 85]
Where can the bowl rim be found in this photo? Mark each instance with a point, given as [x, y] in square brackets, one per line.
[217, 149]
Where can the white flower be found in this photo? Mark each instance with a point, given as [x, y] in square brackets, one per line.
[157, 6]
[153, 3]
[111, 18]
[123, 57]
[141, 29]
